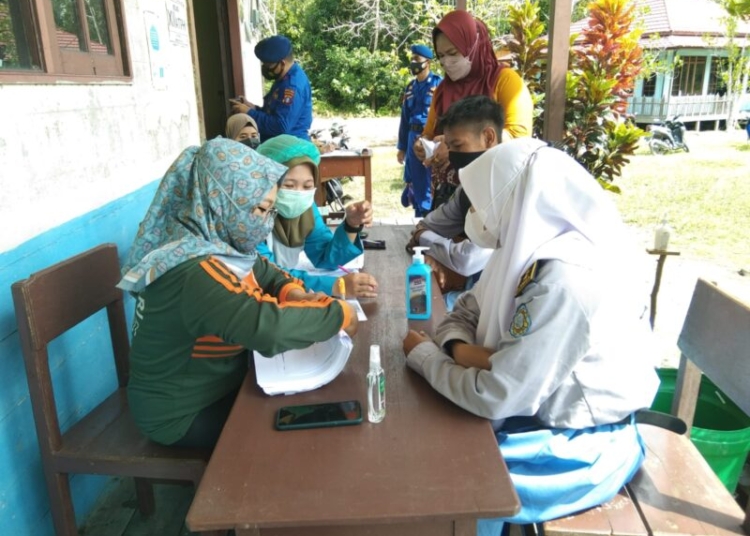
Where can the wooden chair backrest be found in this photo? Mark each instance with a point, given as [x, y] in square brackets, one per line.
[715, 340]
[52, 301]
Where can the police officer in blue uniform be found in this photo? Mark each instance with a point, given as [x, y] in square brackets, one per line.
[287, 107]
[415, 103]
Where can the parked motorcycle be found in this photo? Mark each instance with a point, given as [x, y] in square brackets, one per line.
[667, 136]
[336, 138]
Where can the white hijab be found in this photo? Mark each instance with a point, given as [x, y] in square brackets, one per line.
[541, 204]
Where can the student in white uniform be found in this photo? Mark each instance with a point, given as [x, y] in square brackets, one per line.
[553, 343]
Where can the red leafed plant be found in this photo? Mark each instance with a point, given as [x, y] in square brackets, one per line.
[605, 61]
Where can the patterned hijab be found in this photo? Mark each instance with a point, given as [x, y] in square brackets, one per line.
[470, 36]
[203, 206]
[292, 151]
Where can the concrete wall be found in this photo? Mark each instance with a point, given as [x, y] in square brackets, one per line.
[80, 163]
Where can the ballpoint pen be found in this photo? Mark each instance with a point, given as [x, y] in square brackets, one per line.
[344, 269]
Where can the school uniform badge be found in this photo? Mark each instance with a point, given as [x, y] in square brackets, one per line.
[521, 322]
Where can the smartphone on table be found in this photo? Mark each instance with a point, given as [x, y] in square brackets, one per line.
[344, 413]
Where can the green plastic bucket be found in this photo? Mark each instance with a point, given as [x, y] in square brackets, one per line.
[721, 430]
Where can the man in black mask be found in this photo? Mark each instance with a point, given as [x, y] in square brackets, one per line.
[415, 103]
[470, 126]
[287, 107]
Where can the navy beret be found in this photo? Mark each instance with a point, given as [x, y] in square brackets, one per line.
[273, 49]
[422, 50]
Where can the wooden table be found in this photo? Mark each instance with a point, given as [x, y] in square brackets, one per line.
[430, 468]
[344, 164]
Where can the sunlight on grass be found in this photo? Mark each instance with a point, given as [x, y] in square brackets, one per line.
[705, 193]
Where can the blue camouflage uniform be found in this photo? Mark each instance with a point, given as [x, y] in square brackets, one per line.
[415, 103]
[287, 107]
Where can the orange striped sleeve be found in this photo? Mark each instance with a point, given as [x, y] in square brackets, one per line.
[347, 309]
[286, 289]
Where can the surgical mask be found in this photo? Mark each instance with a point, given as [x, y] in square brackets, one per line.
[460, 160]
[251, 142]
[475, 230]
[416, 67]
[268, 71]
[456, 67]
[292, 203]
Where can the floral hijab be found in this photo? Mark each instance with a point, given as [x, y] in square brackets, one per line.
[203, 206]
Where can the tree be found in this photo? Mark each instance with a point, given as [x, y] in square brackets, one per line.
[602, 70]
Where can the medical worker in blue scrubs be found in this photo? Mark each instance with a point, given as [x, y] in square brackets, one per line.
[415, 103]
[287, 107]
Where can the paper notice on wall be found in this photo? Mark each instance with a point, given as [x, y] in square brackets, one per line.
[177, 23]
[157, 55]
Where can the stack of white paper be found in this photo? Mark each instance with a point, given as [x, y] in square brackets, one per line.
[296, 371]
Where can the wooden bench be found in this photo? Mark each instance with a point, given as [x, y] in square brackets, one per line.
[106, 440]
[675, 492]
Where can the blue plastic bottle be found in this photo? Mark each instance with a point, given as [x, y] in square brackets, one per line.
[418, 287]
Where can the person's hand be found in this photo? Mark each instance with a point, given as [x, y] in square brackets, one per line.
[361, 285]
[419, 150]
[400, 156]
[300, 295]
[447, 279]
[359, 213]
[414, 338]
[440, 156]
[472, 355]
[415, 234]
[241, 106]
[351, 329]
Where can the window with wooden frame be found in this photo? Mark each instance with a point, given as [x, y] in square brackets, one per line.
[45, 40]
[688, 76]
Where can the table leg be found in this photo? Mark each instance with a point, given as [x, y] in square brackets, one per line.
[368, 179]
[465, 527]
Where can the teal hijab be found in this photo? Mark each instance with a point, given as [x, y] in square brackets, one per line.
[203, 206]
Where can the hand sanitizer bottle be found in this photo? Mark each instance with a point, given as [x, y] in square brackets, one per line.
[418, 287]
[375, 387]
[661, 235]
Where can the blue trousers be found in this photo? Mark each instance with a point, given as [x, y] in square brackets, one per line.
[419, 177]
[557, 472]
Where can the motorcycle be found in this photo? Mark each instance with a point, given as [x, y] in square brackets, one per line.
[336, 138]
[667, 136]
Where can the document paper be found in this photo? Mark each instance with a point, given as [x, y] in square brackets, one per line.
[296, 371]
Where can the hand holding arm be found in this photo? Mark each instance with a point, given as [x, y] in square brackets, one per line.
[414, 338]
[471, 355]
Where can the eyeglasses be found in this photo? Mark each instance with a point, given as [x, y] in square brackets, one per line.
[264, 213]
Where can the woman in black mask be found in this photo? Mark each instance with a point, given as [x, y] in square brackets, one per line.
[242, 128]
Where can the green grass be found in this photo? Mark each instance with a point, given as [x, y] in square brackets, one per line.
[387, 185]
[706, 194]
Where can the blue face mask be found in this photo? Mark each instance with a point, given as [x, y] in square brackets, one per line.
[292, 203]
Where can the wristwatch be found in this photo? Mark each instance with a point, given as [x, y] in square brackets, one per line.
[349, 229]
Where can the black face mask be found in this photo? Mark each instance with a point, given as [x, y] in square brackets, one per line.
[268, 71]
[461, 160]
[252, 142]
[416, 67]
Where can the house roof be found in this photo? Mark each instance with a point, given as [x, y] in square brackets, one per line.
[672, 24]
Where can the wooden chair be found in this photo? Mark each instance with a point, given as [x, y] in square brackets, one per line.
[106, 440]
[675, 492]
